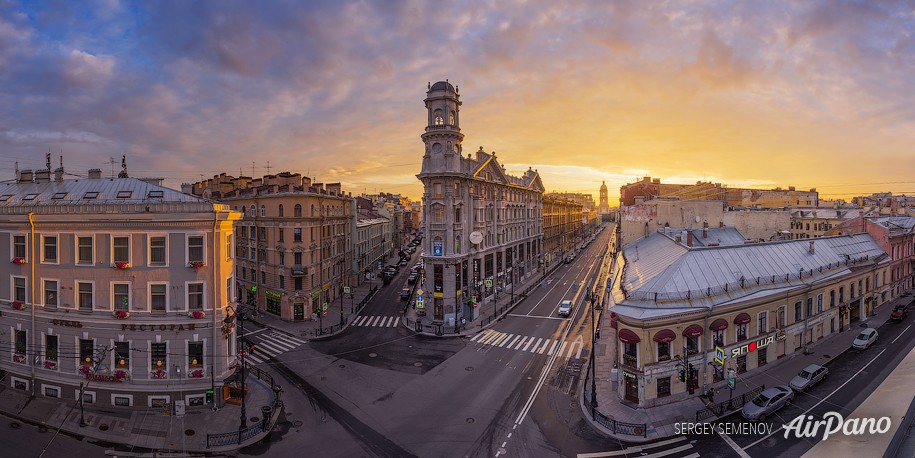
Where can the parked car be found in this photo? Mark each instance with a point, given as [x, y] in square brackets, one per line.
[395, 267]
[405, 294]
[899, 313]
[404, 262]
[767, 403]
[412, 278]
[570, 258]
[865, 339]
[809, 376]
[565, 308]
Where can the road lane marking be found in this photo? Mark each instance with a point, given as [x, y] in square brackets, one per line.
[553, 348]
[501, 339]
[546, 343]
[479, 334]
[395, 322]
[251, 333]
[901, 333]
[821, 400]
[733, 445]
[529, 342]
[631, 450]
[520, 343]
[537, 316]
[489, 340]
[506, 340]
[375, 321]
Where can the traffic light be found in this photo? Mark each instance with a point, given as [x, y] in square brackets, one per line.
[251, 348]
[682, 374]
[208, 398]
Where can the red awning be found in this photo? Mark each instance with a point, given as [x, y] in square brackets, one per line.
[719, 325]
[665, 336]
[743, 318]
[627, 336]
[693, 330]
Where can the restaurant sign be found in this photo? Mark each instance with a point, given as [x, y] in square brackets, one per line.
[752, 346]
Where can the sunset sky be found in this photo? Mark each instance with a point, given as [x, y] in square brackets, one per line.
[760, 94]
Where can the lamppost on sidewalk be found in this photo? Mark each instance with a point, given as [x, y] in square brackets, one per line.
[82, 417]
[236, 315]
[593, 298]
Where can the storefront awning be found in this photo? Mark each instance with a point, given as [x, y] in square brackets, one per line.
[627, 336]
[719, 325]
[743, 318]
[693, 330]
[664, 336]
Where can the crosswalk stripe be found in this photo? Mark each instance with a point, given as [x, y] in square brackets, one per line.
[255, 359]
[395, 321]
[390, 323]
[529, 342]
[483, 333]
[359, 321]
[553, 348]
[534, 350]
[521, 343]
[546, 344]
[513, 341]
[383, 322]
[561, 348]
[375, 321]
[288, 339]
[272, 350]
[280, 344]
[491, 338]
[503, 336]
[506, 340]
[669, 451]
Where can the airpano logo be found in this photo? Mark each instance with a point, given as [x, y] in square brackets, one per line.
[833, 423]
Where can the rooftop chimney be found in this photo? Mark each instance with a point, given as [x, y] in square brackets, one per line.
[95, 174]
[25, 176]
[705, 229]
[812, 251]
[689, 238]
[59, 172]
[721, 224]
[42, 176]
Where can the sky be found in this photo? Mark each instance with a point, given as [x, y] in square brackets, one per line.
[755, 94]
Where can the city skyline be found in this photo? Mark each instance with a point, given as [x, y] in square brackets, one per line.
[583, 93]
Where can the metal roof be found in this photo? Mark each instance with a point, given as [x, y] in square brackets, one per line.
[89, 191]
[658, 272]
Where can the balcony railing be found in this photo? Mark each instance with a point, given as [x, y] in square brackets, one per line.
[299, 270]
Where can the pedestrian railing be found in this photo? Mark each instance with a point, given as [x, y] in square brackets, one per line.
[333, 329]
[242, 435]
[615, 426]
[719, 409]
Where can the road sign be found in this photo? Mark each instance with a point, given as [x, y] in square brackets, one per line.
[732, 383]
[419, 297]
[487, 283]
[419, 292]
[437, 249]
[325, 306]
[420, 304]
[719, 355]
[346, 290]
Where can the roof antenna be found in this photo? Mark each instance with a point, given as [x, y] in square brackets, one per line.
[123, 173]
[111, 161]
[47, 160]
[268, 167]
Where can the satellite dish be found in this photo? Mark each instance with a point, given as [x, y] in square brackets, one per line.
[476, 237]
[698, 218]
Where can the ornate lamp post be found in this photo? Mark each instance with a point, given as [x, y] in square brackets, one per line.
[236, 315]
[593, 298]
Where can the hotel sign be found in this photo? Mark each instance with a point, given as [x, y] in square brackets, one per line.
[158, 327]
[752, 346]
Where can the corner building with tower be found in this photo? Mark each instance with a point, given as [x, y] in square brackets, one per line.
[483, 227]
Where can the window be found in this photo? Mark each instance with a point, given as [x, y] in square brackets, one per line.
[832, 298]
[852, 291]
[437, 190]
[121, 296]
[49, 248]
[297, 211]
[194, 248]
[195, 296]
[84, 251]
[280, 234]
[809, 306]
[718, 338]
[297, 234]
[762, 356]
[263, 277]
[91, 195]
[663, 351]
[157, 251]
[157, 297]
[842, 293]
[19, 342]
[121, 249]
[85, 293]
[797, 312]
[51, 391]
[31, 196]
[741, 364]
[263, 211]
[663, 387]
[761, 320]
[122, 401]
[19, 247]
[51, 292]
[630, 354]
[86, 352]
[439, 120]
[158, 359]
[281, 258]
[867, 284]
[282, 282]
[195, 354]
[229, 246]
[19, 289]
[741, 331]
[457, 214]
[51, 350]
[819, 303]
[438, 213]
[297, 283]
[155, 194]
[692, 345]
[122, 355]
[280, 210]
[124, 194]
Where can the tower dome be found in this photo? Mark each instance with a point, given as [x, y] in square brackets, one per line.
[442, 86]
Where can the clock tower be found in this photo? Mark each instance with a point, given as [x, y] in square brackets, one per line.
[443, 135]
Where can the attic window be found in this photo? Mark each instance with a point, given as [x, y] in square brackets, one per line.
[91, 195]
[155, 194]
[124, 194]
[30, 197]
[59, 195]
[5, 197]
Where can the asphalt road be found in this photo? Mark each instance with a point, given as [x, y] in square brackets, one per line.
[24, 440]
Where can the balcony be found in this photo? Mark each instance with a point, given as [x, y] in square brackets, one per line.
[630, 360]
[299, 270]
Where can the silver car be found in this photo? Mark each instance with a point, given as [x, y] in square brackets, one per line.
[767, 403]
[811, 375]
[865, 339]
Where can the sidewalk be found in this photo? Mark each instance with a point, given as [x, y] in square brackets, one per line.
[659, 420]
[153, 428]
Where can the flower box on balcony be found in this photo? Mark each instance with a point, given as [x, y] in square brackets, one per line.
[19, 261]
[121, 314]
[48, 364]
[196, 314]
[197, 373]
[196, 264]
[17, 358]
[159, 373]
[120, 374]
[85, 369]
[18, 305]
[121, 265]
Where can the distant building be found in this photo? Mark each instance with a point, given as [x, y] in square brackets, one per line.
[483, 227]
[807, 223]
[116, 283]
[652, 188]
[603, 207]
[372, 241]
[896, 235]
[562, 228]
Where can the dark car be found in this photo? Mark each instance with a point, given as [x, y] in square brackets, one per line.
[403, 262]
[405, 294]
[899, 313]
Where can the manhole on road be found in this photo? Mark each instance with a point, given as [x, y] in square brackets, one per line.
[342, 366]
[469, 368]
[188, 432]
[297, 423]
[418, 364]
[469, 420]
[501, 451]
[103, 427]
[372, 355]
[15, 425]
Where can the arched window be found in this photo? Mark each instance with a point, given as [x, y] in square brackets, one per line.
[280, 209]
[253, 211]
[297, 211]
[451, 119]
[457, 244]
[439, 119]
[312, 209]
[263, 211]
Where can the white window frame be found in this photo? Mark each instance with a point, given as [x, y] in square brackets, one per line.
[150, 399]
[165, 363]
[14, 379]
[114, 357]
[230, 290]
[56, 249]
[820, 300]
[111, 293]
[188, 397]
[129, 247]
[187, 363]
[149, 238]
[87, 393]
[149, 300]
[759, 321]
[43, 290]
[187, 295]
[187, 247]
[25, 286]
[13, 236]
[44, 350]
[52, 387]
[76, 294]
[129, 397]
[76, 259]
[230, 247]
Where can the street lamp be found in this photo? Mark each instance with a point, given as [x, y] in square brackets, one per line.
[592, 297]
[241, 331]
[82, 417]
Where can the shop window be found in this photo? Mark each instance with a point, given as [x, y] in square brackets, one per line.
[663, 387]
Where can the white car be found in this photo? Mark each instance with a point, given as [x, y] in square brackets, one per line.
[565, 308]
[811, 375]
[865, 339]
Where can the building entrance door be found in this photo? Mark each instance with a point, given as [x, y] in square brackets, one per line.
[298, 311]
[632, 388]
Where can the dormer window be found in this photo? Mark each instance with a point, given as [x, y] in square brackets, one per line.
[59, 195]
[5, 197]
[91, 195]
[30, 197]
[124, 194]
[155, 195]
